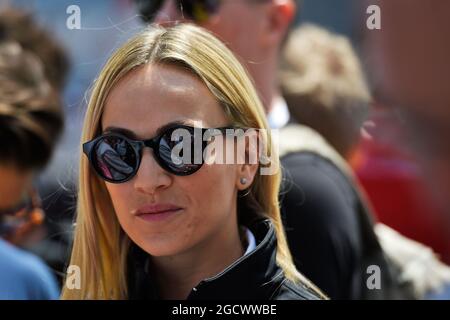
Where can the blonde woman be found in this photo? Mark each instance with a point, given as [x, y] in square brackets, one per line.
[149, 227]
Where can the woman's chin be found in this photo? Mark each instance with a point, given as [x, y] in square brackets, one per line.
[163, 248]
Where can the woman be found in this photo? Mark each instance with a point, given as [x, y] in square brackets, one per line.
[151, 227]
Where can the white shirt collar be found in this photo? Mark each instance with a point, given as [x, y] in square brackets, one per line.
[279, 116]
[251, 241]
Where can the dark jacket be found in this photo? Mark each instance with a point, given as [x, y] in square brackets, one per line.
[329, 222]
[253, 276]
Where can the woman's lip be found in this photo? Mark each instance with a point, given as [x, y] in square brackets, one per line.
[159, 216]
[157, 209]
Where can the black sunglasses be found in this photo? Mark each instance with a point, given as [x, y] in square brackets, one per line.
[197, 10]
[116, 158]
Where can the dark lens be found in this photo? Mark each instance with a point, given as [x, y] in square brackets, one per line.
[148, 8]
[114, 158]
[179, 152]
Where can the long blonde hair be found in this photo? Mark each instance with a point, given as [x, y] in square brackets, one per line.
[100, 246]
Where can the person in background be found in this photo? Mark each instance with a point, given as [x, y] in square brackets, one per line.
[52, 239]
[30, 121]
[413, 71]
[412, 68]
[324, 85]
[314, 195]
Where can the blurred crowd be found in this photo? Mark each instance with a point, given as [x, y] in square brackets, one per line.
[363, 117]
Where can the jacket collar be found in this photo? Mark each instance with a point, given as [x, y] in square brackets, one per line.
[253, 276]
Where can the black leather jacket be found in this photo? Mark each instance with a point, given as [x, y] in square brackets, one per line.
[253, 276]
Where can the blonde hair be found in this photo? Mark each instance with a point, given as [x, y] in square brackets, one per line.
[100, 246]
[324, 85]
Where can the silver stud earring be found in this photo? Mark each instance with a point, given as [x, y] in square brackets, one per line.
[243, 181]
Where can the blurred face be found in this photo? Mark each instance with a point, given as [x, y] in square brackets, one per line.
[253, 29]
[163, 213]
[238, 23]
[14, 186]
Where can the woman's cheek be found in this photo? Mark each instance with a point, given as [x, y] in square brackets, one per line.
[121, 198]
[214, 188]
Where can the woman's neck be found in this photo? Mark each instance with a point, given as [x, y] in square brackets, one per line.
[177, 275]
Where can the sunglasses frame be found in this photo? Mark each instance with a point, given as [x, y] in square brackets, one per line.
[138, 145]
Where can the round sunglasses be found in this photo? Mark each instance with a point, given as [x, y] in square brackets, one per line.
[116, 158]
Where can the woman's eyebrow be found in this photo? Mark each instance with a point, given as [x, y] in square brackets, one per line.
[173, 124]
[125, 132]
[130, 134]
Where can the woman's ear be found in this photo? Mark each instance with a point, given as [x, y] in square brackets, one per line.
[249, 161]
[246, 175]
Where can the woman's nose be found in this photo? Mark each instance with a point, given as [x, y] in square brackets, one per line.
[151, 177]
